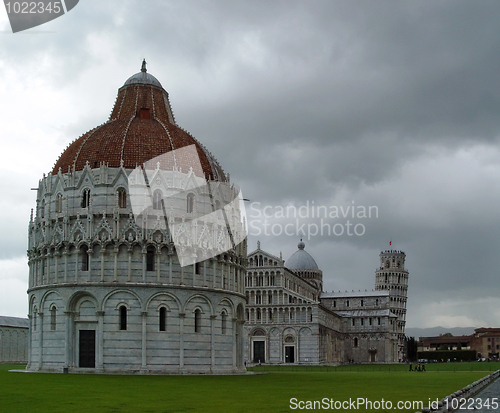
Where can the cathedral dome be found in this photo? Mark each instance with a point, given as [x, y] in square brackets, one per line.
[141, 127]
[301, 260]
[144, 78]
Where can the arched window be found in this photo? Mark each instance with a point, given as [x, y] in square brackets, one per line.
[42, 209]
[157, 200]
[197, 268]
[355, 342]
[85, 257]
[224, 322]
[190, 203]
[53, 315]
[122, 198]
[86, 198]
[163, 319]
[197, 320]
[150, 259]
[59, 203]
[123, 317]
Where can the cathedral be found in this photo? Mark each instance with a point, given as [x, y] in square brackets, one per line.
[291, 320]
[138, 263]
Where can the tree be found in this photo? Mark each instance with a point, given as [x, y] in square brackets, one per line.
[411, 348]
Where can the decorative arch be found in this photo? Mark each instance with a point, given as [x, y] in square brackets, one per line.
[305, 331]
[210, 306]
[111, 293]
[77, 296]
[227, 301]
[258, 331]
[158, 294]
[46, 294]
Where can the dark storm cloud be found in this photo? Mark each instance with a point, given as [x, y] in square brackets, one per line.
[385, 103]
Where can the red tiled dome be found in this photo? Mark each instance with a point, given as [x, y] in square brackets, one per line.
[141, 127]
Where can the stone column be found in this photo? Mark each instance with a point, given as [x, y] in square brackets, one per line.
[144, 339]
[90, 253]
[232, 284]
[67, 338]
[158, 266]
[213, 274]
[65, 253]
[115, 265]
[181, 340]
[103, 253]
[56, 268]
[130, 252]
[100, 340]
[40, 341]
[45, 271]
[170, 258]
[234, 324]
[297, 348]
[205, 273]
[212, 340]
[222, 275]
[143, 266]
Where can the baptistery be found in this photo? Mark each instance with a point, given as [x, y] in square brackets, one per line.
[137, 249]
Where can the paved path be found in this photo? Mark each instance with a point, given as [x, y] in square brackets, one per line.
[491, 392]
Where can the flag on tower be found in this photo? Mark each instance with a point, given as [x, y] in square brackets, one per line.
[390, 242]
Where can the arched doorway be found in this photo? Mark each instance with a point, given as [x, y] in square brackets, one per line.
[289, 349]
[259, 347]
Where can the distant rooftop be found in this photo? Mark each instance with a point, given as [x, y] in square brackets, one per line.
[365, 313]
[346, 294]
[14, 322]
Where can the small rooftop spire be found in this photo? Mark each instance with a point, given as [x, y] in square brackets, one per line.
[143, 67]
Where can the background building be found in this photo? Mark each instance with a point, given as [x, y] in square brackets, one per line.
[291, 320]
[14, 333]
[484, 343]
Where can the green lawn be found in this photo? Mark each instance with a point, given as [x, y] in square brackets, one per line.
[39, 392]
[466, 366]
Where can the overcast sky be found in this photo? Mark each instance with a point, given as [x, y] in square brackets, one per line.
[389, 104]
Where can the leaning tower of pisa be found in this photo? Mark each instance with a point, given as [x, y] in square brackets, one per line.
[393, 277]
